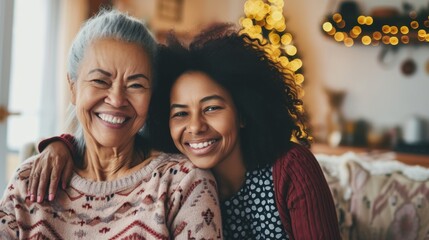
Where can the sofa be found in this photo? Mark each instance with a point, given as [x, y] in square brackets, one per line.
[377, 197]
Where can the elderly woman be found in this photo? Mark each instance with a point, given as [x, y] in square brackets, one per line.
[120, 188]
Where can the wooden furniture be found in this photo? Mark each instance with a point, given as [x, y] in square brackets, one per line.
[407, 158]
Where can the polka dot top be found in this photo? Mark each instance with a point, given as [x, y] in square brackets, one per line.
[252, 212]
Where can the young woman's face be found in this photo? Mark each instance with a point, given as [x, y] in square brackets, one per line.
[204, 123]
[112, 92]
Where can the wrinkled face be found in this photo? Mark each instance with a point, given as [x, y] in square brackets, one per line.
[112, 92]
[203, 120]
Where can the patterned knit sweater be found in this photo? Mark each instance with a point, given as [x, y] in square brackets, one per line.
[167, 199]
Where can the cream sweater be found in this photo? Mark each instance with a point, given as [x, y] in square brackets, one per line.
[167, 199]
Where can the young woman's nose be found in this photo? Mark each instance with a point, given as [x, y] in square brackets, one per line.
[117, 97]
[196, 124]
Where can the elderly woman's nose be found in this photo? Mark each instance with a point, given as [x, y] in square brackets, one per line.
[117, 97]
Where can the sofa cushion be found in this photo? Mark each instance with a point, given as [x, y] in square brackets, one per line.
[336, 173]
[389, 200]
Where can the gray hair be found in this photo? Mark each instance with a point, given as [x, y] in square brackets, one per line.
[108, 23]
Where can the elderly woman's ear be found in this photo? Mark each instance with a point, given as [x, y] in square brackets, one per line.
[72, 88]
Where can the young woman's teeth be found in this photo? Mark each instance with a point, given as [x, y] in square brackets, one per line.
[111, 119]
[201, 144]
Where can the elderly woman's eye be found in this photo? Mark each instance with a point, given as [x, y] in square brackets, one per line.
[137, 85]
[99, 82]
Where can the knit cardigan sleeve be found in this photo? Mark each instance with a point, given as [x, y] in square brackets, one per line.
[303, 197]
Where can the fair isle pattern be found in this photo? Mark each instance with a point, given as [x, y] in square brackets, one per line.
[168, 198]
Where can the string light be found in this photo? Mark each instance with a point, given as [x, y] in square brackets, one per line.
[373, 31]
[264, 21]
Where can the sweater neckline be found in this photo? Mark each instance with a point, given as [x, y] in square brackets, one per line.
[108, 187]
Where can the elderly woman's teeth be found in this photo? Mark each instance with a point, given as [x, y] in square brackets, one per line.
[111, 119]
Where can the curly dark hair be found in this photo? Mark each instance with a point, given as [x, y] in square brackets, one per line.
[265, 96]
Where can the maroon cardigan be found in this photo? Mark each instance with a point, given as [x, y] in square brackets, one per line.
[303, 198]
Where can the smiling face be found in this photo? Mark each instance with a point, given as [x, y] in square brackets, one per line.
[112, 92]
[204, 123]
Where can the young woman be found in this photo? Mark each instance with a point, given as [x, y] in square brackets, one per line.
[226, 106]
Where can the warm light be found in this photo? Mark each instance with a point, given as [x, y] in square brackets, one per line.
[381, 30]
[327, 26]
[404, 30]
[394, 41]
[299, 78]
[405, 39]
[337, 17]
[348, 42]
[361, 20]
[366, 40]
[283, 61]
[247, 23]
[339, 36]
[385, 39]
[277, 15]
[356, 30]
[385, 29]
[369, 20]
[377, 35]
[291, 50]
[265, 22]
[286, 39]
[274, 38]
[295, 64]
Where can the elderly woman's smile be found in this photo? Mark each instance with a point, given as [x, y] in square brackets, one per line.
[112, 92]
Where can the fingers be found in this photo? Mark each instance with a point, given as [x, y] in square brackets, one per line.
[53, 183]
[34, 180]
[67, 174]
[42, 186]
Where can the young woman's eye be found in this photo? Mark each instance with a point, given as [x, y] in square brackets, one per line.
[178, 114]
[212, 108]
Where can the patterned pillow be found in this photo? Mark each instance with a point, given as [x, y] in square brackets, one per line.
[390, 205]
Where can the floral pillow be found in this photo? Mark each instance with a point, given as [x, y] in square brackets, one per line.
[390, 205]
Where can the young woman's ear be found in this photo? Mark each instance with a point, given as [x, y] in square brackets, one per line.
[72, 88]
